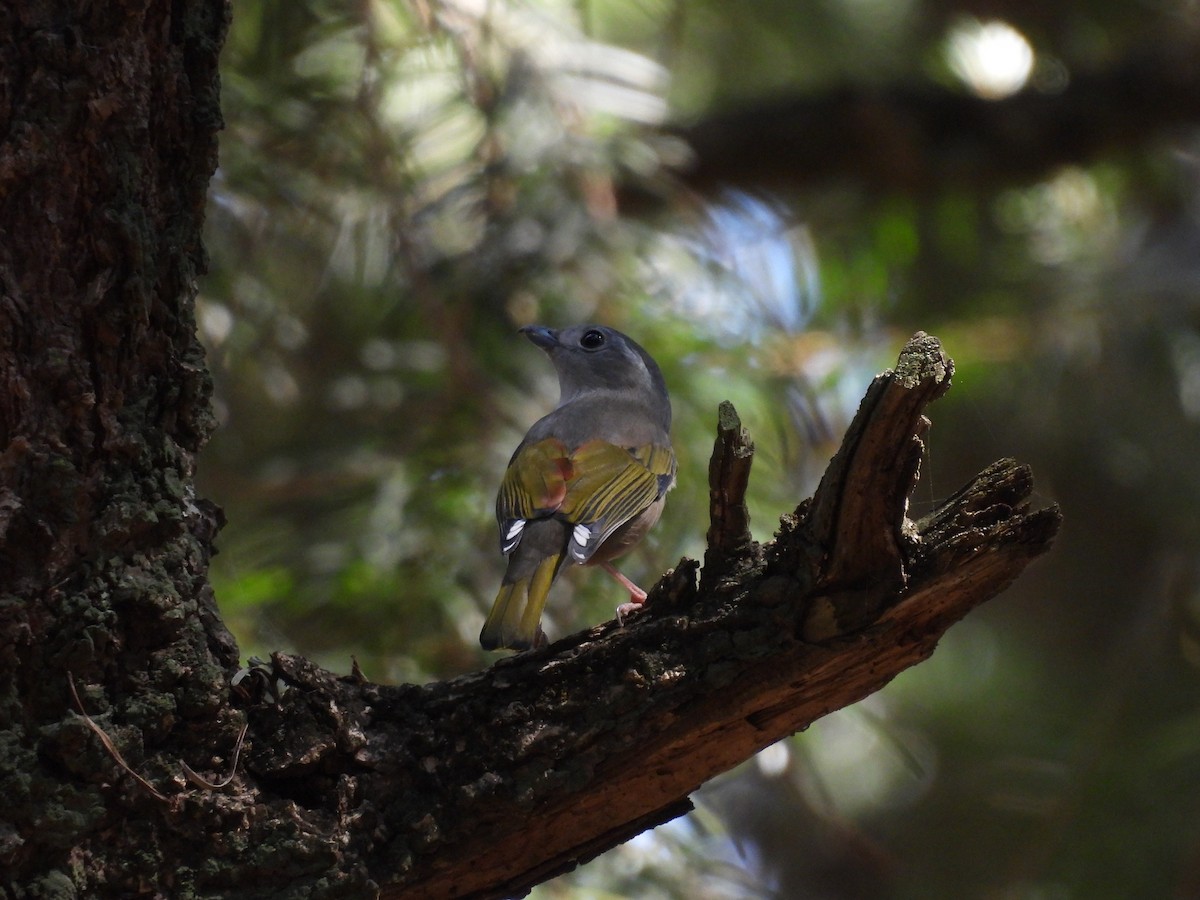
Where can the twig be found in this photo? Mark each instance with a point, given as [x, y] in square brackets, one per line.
[200, 781]
[108, 744]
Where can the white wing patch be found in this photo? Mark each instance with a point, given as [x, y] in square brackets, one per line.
[512, 537]
[580, 537]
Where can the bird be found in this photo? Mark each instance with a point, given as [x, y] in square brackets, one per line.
[588, 480]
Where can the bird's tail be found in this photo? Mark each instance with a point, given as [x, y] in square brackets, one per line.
[515, 619]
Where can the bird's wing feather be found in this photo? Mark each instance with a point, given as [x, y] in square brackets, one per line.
[609, 486]
[534, 485]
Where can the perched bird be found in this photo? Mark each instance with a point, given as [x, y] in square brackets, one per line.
[589, 479]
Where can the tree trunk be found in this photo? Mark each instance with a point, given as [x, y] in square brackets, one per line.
[109, 116]
[136, 763]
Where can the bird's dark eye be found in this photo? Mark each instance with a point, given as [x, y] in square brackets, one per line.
[592, 340]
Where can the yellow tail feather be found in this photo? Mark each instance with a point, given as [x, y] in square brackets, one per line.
[517, 611]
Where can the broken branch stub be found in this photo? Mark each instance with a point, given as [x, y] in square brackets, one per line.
[729, 535]
[857, 517]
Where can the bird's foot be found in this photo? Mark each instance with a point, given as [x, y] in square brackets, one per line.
[637, 596]
[625, 609]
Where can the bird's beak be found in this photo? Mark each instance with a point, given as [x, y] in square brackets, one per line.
[541, 335]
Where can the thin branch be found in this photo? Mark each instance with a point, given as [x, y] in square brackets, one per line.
[200, 781]
[108, 744]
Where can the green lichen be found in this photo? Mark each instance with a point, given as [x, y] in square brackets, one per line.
[55, 885]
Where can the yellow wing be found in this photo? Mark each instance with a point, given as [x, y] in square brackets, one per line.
[609, 485]
[534, 485]
[588, 493]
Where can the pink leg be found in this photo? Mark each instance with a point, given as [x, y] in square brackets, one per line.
[636, 595]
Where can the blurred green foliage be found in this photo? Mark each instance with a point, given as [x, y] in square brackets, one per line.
[404, 184]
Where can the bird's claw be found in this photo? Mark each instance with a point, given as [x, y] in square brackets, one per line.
[625, 609]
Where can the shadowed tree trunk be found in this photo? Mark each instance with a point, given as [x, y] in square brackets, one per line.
[131, 763]
[110, 114]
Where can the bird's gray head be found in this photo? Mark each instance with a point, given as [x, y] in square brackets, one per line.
[595, 358]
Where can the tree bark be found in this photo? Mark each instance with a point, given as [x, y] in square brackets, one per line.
[135, 760]
[110, 114]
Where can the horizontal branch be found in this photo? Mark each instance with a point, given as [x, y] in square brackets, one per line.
[920, 139]
[487, 784]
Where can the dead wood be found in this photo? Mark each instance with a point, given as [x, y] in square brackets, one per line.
[490, 783]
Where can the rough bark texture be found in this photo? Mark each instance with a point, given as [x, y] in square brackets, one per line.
[115, 671]
[109, 116]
